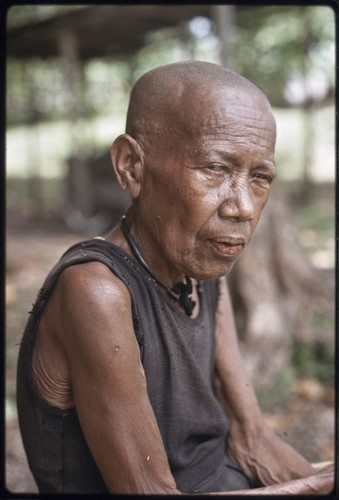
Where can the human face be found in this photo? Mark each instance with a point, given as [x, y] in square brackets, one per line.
[202, 195]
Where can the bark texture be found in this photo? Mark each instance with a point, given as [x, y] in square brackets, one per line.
[276, 292]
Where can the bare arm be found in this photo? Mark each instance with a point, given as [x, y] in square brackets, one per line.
[264, 458]
[93, 317]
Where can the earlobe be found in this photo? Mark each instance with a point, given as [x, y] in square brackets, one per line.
[127, 161]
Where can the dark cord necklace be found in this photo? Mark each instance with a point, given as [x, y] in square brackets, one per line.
[180, 292]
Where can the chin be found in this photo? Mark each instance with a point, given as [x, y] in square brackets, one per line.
[210, 273]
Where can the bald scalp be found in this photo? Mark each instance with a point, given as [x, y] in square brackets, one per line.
[169, 99]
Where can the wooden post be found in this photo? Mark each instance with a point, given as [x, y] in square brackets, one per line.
[33, 152]
[224, 18]
[68, 46]
[78, 174]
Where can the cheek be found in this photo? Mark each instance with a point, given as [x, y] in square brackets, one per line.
[178, 209]
[181, 222]
[189, 201]
[260, 202]
[198, 206]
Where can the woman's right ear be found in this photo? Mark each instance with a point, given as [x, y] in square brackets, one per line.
[127, 161]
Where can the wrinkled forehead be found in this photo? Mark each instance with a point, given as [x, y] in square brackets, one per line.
[222, 114]
[208, 105]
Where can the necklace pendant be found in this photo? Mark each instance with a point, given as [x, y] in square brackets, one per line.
[180, 292]
[183, 292]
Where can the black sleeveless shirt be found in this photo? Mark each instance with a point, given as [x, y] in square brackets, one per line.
[177, 353]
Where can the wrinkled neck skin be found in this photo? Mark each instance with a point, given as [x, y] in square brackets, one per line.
[166, 271]
[150, 250]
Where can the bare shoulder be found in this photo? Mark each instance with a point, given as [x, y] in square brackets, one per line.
[93, 279]
[89, 301]
[92, 285]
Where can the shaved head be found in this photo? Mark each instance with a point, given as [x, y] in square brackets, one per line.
[175, 97]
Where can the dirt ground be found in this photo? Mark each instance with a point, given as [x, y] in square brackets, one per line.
[307, 421]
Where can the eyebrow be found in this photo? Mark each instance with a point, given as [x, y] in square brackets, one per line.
[212, 156]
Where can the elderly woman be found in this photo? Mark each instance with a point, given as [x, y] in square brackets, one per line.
[130, 378]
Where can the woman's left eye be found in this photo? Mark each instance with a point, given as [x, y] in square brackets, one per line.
[263, 177]
[215, 167]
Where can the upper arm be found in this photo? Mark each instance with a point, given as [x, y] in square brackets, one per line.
[109, 387]
[233, 382]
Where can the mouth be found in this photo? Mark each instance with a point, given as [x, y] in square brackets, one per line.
[228, 247]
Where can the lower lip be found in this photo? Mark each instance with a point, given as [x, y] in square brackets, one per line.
[227, 250]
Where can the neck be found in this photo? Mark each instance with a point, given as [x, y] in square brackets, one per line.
[180, 291]
[152, 250]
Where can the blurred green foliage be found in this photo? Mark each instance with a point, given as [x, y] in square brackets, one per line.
[314, 360]
[279, 393]
[278, 44]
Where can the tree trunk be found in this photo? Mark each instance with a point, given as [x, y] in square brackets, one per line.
[275, 291]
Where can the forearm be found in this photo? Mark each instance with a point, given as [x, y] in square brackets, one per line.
[320, 483]
[263, 457]
[235, 392]
[126, 444]
[232, 383]
[317, 484]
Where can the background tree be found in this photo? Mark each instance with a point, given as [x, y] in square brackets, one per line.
[276, 290]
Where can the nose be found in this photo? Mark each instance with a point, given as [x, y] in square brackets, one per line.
[237, 203]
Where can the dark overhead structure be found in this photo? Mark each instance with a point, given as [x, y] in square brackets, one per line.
[78, 35]
[100, 31]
